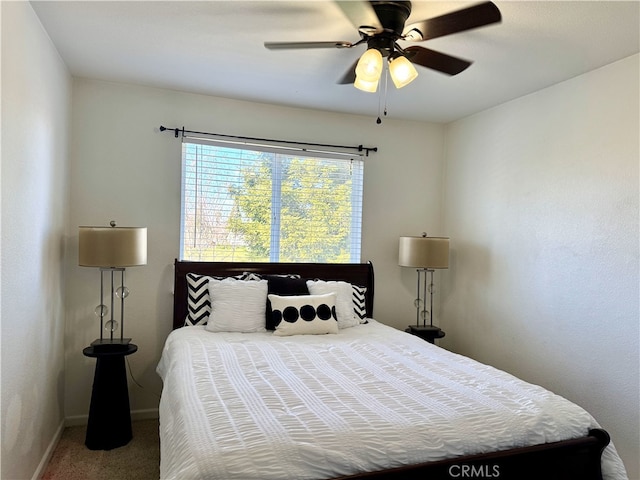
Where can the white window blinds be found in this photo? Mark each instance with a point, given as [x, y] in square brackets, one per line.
[269, 204]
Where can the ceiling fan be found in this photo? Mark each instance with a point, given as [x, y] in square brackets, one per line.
[381, 24]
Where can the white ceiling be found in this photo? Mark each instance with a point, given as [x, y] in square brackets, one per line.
[216, 48]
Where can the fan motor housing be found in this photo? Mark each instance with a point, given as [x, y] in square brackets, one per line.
[382, 42]
[392, 15]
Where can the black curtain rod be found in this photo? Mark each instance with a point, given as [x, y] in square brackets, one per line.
[182, 131]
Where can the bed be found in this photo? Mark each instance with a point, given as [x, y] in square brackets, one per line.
[365, 401]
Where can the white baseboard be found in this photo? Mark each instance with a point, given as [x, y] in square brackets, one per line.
[42, 466]
[79, 420]
[148, 414]
[76, 420]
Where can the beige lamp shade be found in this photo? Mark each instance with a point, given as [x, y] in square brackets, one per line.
[112, 246]
[424, 252]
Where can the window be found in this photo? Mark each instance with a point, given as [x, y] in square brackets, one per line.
[267, 204]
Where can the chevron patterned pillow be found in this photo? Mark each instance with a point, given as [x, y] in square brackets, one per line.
[198, 302]
[359, 304]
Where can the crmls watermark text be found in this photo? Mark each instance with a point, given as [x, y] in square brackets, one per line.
[474, 471]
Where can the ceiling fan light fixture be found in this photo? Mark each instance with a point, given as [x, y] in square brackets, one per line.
[369, 67]
[382, 23]
[402, 71]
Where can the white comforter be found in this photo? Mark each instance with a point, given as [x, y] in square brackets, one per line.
[257, 406]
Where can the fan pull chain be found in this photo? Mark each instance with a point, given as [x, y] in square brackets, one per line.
[386, 89]
[386, 83]
[378, 121]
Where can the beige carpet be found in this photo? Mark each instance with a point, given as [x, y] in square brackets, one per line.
[139, 459]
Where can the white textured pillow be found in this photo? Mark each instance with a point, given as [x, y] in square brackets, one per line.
[344, 299]
[198, 299]
[304, 314]
[237, 305]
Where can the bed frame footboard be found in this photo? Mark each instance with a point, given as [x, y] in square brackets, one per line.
[577, 459]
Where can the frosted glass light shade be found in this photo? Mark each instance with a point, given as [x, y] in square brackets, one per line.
[112, 246]
[369, 67]
[365, 86]
[424, 252]
[402, 71]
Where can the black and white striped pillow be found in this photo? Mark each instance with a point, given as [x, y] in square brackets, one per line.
[198, 300]
[359, 303]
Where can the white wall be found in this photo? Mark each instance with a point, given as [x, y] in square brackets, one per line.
[123, 168]
[36, 95]
[541, 202]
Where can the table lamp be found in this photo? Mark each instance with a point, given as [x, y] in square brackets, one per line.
[111, 249]
[427, 254]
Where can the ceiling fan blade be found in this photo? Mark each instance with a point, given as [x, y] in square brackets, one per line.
[350, 75]
[294, 45]
[435, 60]
[362, 15]
[454, 22]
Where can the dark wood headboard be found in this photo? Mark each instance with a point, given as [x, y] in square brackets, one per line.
[360, 274]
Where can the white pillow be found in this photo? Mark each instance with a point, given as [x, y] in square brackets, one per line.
[344, 299]
[198, 300]
[304, 314]
[237, 305]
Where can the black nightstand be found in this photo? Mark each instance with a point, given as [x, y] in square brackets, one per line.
[109, 423]
[428, 333]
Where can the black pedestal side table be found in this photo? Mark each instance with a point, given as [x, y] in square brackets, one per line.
[428, 333]
[109, 424]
